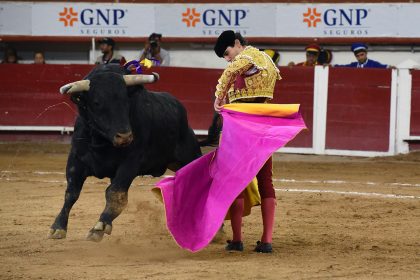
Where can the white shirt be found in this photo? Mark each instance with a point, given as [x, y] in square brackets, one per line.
[164, 54]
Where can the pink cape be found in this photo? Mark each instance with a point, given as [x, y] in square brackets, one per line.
[198, 197]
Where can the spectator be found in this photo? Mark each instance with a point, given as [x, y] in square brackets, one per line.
[107, 46]
[325, 57]
[360, 52]
[273, 54]
[154, 52]
[10, 56]
[39, 58]
[312, 53]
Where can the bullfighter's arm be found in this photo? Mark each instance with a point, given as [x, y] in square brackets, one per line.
[237, 67]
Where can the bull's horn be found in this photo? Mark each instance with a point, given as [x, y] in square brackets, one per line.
[131, 80]
[78, 86]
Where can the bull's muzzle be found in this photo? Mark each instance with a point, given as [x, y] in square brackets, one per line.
[123, 139]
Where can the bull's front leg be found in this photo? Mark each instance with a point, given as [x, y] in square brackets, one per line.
[116, 200]
[76, 174]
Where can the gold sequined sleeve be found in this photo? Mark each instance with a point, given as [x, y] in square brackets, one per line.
[237, 67]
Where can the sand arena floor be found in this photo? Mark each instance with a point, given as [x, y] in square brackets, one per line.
[337, 217]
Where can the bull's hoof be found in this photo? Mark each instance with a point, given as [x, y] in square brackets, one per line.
[57, 234]
[95, 235]
[97, 232]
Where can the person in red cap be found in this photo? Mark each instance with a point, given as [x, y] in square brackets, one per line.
[312, 53]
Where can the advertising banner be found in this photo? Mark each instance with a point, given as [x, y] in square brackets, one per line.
[209, 20]
[82, 19]
[343, 20]
[15, 19]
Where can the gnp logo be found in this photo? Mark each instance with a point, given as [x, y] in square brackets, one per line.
[214, 21]
[68, 16]
[341, 22]
[94, 21]
[191, 17]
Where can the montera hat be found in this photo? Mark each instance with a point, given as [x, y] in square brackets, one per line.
[225, 40]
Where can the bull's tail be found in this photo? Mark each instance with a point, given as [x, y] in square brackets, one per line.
[213, 132]
[188, 147]
[187, 150]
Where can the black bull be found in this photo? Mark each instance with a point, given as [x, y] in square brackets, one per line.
[122, 131]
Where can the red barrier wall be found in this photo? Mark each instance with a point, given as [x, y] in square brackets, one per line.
[29, 94]
[358, 109]
[194, 87]
[415, 104]
[297, 86]
[358, 99]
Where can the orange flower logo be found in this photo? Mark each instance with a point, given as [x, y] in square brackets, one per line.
[68, 16]
[311, 17]
[191, 17]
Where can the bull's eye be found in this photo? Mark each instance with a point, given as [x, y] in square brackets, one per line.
[96, 103]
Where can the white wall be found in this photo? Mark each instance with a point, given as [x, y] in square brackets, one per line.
[202, 55]
[197, 55]
[207, 58]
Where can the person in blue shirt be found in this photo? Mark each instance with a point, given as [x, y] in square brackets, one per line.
[360, 52]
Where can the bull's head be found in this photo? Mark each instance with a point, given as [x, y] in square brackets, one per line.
[104, 101]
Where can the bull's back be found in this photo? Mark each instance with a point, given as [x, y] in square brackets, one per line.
[161, 110]
[159, 120]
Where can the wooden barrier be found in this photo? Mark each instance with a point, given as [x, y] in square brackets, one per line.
[358, 112]
[415, 104]
[359, 107]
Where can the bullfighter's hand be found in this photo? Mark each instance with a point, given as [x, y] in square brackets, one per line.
[218, 104]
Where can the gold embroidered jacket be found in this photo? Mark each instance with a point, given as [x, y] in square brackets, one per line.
[251, 74]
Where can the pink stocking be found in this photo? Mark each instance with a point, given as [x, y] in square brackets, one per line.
[236, 211]
[268, 207]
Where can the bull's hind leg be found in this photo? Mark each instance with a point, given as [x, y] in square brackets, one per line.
[187, 150]
[116, 200]
[76, 175]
